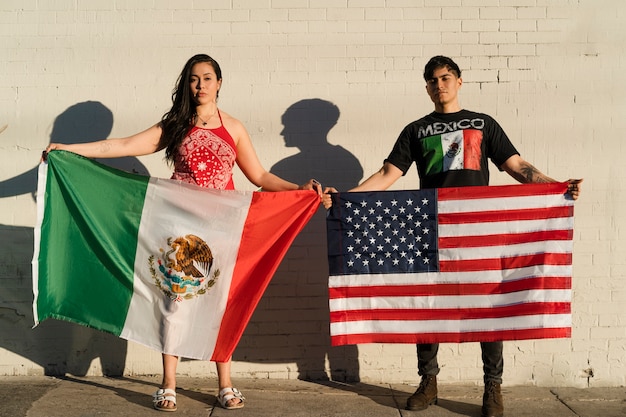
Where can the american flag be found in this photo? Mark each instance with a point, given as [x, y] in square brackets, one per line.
[450, 264]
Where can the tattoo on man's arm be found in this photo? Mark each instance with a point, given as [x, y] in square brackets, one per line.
[529, 173]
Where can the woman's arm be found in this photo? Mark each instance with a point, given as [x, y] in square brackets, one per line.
[249, 163]
[142, 143]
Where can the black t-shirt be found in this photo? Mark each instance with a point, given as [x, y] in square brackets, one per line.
[452, 149]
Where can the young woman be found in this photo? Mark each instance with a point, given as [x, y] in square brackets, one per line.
[203, 143]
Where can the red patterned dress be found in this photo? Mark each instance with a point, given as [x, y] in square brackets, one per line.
[206, 158]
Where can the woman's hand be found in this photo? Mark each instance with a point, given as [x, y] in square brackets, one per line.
[51, 147]
[312, 184]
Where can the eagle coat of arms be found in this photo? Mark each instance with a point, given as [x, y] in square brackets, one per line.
[183, 271]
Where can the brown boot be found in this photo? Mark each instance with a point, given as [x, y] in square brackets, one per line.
[425, 395]
[492, 400]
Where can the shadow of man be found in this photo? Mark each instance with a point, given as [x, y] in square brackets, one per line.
[303, 321]
[57, 346]
[306, 125]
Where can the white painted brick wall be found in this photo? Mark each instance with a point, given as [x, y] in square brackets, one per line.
[550, 71]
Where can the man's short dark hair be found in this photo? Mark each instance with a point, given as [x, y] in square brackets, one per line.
[438, 62]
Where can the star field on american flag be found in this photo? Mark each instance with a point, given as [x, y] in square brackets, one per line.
[385, 232]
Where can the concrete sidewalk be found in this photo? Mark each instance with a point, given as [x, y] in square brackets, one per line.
[131, 397]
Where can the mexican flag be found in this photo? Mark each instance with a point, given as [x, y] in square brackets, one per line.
[452, 151]
[172, 266]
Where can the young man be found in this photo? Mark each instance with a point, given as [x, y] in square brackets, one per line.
[469, 140]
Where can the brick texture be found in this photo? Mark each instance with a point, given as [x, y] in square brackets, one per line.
[549, 71]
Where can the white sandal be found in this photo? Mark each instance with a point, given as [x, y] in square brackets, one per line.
[227, 394]
[164, 394]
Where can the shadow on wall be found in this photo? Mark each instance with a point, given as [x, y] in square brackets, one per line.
[58, 347]
[82, 122]
[291, 323]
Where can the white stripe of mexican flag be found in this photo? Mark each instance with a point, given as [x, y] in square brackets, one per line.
[169, 265]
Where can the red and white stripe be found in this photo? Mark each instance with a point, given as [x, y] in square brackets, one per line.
[505, 256]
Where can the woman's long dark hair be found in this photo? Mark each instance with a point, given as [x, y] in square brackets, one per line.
[179, 119]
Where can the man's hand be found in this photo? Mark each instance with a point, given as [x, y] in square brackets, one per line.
[326, 199]
[573, 188]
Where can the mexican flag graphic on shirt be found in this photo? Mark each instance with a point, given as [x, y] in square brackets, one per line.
[453, 151]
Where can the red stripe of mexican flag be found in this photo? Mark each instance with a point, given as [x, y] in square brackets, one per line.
[172, 266]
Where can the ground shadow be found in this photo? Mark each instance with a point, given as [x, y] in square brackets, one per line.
[58, 347]
[460, 408]
[140, 398]
[291, 323]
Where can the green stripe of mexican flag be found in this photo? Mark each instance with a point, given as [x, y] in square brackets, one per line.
[162, 263]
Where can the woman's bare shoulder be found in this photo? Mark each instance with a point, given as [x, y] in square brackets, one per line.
[232, 124]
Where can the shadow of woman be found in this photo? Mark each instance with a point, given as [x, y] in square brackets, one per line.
[81, 122]
[296, 328]
[59, 347]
